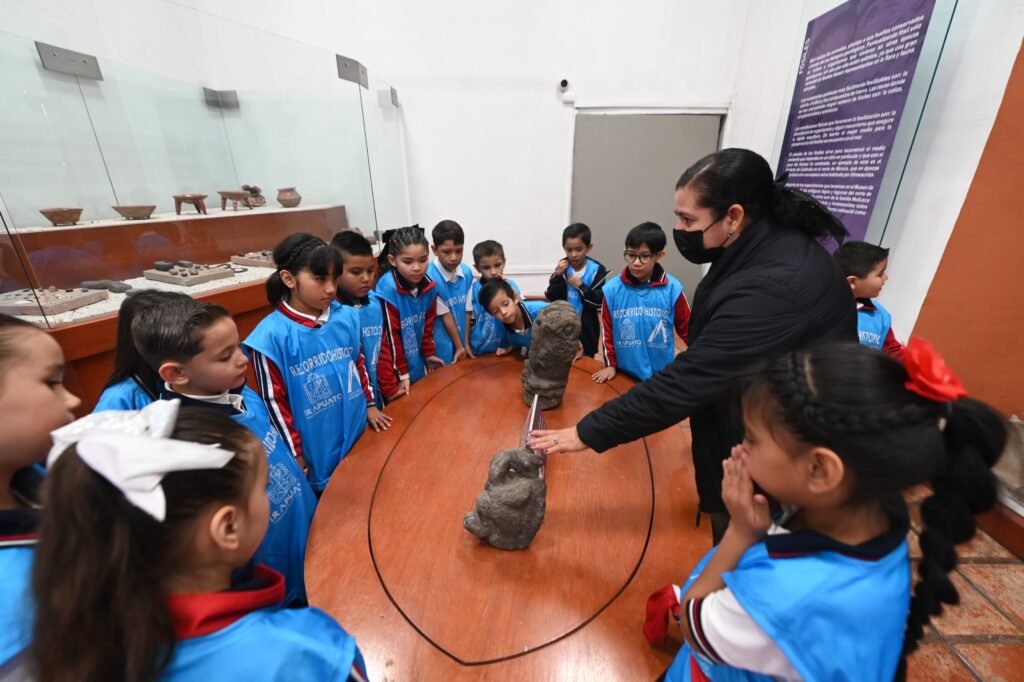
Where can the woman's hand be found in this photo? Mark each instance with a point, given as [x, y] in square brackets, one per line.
[749, 515]
[551, 441]
[377, 420]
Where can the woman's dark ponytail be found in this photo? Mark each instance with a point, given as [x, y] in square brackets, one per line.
[741, 176]
[301, 251]
[974, 437]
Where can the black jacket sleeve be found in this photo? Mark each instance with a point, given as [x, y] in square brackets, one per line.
[557, 289]
[751, 323]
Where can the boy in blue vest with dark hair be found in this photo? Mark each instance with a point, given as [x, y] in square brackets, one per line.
[355, 290]
[454, 281]
[499, 299]
[864, 266]
[579, 280]
[642, 308]
[195, 349]
[484, 334]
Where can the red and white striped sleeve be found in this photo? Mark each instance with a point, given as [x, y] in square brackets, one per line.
[609, 337]
[364, 379]
[274, 392]
[682, 317]
[391, 365]
[427, 345]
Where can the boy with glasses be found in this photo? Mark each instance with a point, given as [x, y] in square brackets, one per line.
[642, 307]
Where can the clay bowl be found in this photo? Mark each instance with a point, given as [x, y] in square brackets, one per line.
[135, 212]
[190, 197]
[62, 216]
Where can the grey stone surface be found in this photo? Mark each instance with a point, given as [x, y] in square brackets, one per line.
[109, 284]
[555, 338]
[508, 513]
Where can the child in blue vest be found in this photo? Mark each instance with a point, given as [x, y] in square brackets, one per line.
[134, 384]
[194, 348]
[499, 299]
[155, 517]
[642, 307]
[864, 265]
[33, 402]
[484, 334]
[307, 359]
[579, 280]
[821, 588]
[355, 289]
[453, 281]
[408, 352]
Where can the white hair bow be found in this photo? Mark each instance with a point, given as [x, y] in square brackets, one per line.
[131, 449]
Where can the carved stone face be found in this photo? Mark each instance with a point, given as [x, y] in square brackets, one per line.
[509, 512]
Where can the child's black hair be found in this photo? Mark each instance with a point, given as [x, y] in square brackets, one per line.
[576, 231]
[491, 288]
[741, 176]
[350, 243]
[447, 230]
[298, 252]
[173, 331]
[487, 248]
[854, 400]
[128, 362]
[859, 258]
[648, 233]
[397, 241]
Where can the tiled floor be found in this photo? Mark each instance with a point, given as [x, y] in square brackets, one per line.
[983, 637]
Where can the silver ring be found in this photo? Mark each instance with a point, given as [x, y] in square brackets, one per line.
[555, 439]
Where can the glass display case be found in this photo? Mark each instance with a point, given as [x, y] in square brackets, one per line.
[111, 182]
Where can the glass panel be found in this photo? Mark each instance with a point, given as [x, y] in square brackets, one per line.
[383, 121]
[16, 294]
[49, 157]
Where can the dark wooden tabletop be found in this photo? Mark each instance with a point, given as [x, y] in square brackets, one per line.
[388, 556]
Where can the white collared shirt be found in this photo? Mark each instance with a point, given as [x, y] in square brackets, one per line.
[235, 400]
[320, 319]
[449, 277]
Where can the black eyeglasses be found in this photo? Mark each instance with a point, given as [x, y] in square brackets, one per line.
[644, 258]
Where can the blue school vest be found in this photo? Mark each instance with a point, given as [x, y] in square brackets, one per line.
[572, 293]
[454, 296]
[270, 645]
[522, 340]
[124, 395]
[412, 311]
[873, 325]
[643, 325]
[324, 388]
[487, 334]
[16, 606]
[292, 501]
[833, 616]
[371, 318]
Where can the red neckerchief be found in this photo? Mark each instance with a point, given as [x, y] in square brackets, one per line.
[195, 615]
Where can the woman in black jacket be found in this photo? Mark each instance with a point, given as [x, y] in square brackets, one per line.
[772, 288]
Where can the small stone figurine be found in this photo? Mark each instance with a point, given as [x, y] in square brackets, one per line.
[555, 340]
[509, 511]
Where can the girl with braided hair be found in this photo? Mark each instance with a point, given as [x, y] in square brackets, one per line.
[308, 360]
[407, 352]
[812, 579]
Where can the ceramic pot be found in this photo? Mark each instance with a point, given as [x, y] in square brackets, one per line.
[288, 197]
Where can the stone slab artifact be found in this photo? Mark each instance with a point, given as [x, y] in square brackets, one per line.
[52, 301]
[254, 259]
[113, 286]
[555, 339]
[190, 275]
[510, 510]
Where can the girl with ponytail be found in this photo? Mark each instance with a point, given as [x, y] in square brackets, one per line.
[812, 577]
[142, 561]
[308, 359]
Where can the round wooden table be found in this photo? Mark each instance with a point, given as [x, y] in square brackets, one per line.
[426, 600]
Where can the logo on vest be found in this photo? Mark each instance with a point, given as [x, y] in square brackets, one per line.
[628, 329]
[870, 338]
[319, 395]
[410, 342]
[282, 488]
[660, 336]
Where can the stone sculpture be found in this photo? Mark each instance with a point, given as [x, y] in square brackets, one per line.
[510, 510]
[555, 340]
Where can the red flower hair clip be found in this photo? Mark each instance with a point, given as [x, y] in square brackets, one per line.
[929, 376]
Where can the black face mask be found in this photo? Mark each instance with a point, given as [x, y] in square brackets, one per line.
[691, 245]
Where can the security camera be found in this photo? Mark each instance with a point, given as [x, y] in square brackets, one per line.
[563, 85]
